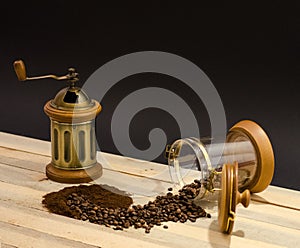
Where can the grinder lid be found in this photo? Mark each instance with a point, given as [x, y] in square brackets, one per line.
[72, 98]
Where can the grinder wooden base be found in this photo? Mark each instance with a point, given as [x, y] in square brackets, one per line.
[74, 176]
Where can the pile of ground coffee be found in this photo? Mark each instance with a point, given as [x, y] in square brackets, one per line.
[83, 195]
[113, 208]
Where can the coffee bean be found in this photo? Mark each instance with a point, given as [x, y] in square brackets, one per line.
[182, 220]
[138, 225]
[92, 212]
[118, 228]
[151, 225]
[78, 210]
[197, 181]
[169, 194]
[192, 219]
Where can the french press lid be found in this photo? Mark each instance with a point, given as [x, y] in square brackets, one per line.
[230, 197]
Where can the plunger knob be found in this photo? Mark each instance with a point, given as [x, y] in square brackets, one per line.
[243, 198]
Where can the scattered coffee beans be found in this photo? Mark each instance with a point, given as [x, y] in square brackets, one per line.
[114, 209]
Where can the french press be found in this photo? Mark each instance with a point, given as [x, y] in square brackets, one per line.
[244, 163]
[73, 140]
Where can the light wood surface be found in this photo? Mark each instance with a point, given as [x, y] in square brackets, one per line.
[271, 220]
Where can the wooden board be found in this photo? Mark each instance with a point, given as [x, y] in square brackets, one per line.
[271, 220]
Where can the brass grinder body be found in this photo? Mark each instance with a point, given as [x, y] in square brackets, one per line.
[73, 139]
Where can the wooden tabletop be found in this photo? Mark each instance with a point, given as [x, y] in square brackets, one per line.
[271, 220]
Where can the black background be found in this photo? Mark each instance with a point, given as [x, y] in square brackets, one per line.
[249, 51]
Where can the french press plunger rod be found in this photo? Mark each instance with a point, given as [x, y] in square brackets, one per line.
[73, 140]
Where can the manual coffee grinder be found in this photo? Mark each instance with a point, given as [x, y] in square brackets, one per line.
[73, 141]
